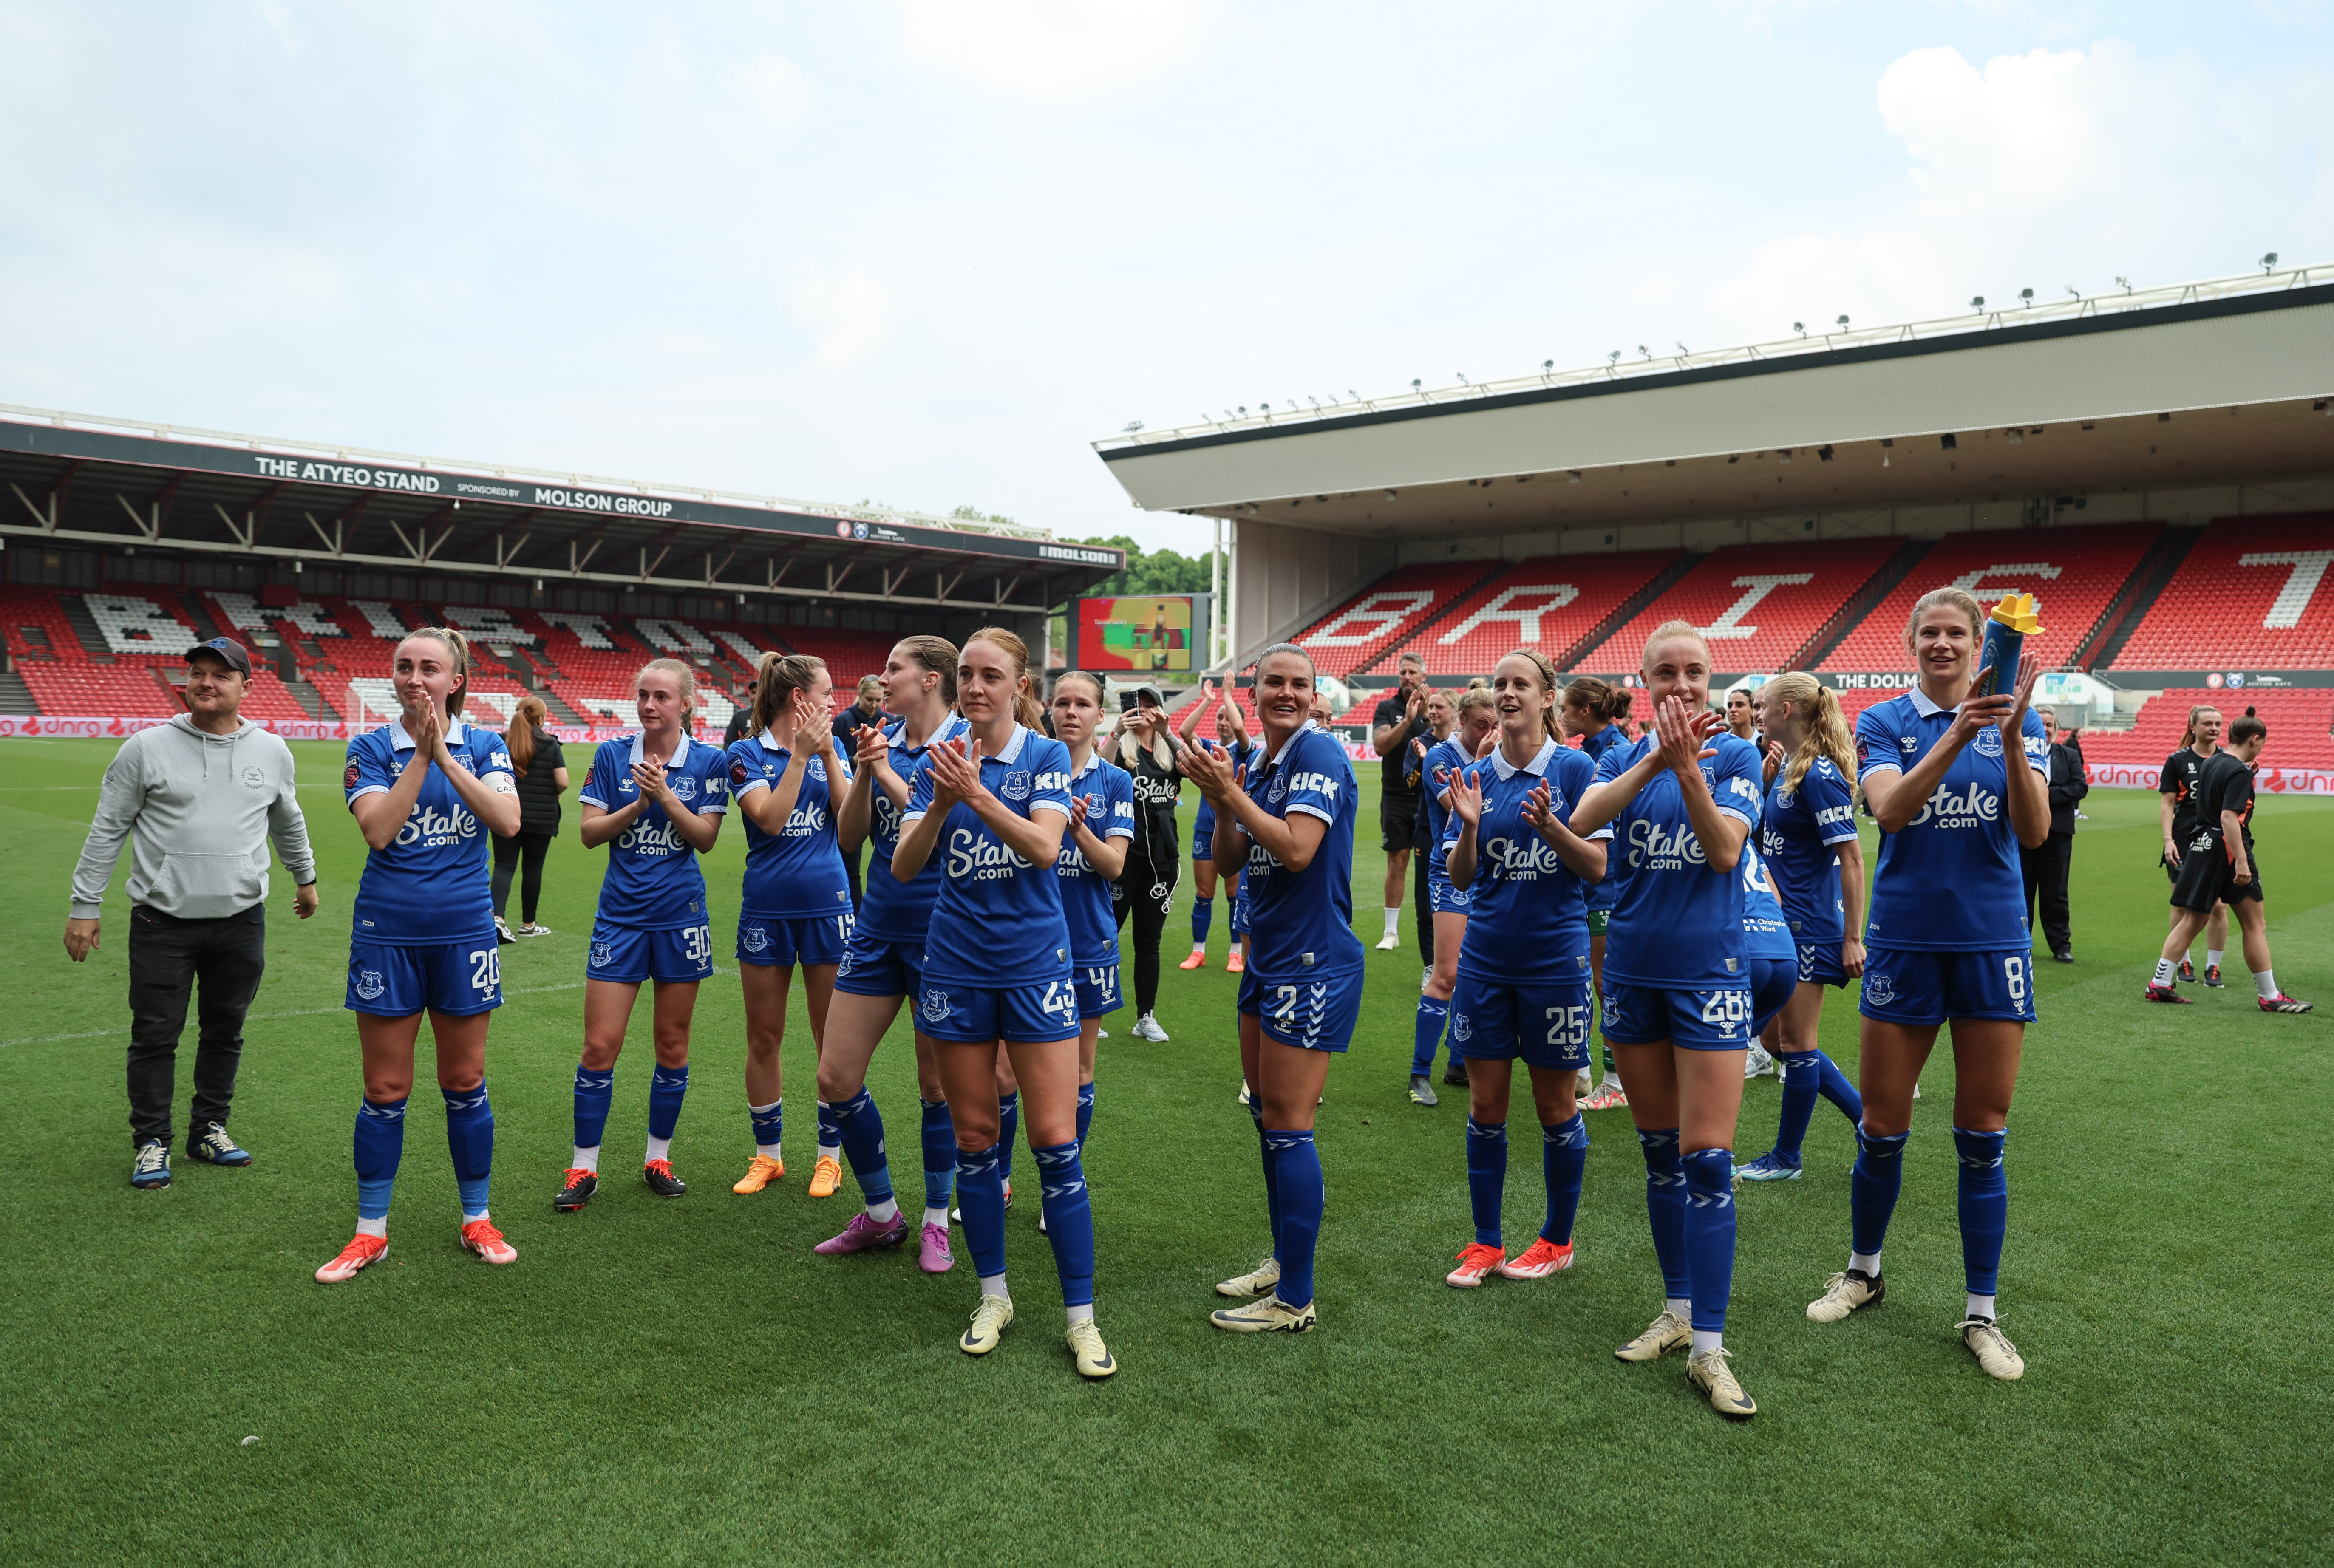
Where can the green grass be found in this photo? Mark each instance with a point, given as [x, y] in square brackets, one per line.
[684, 1382]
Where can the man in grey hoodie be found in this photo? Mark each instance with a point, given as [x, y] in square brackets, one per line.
[201, 796]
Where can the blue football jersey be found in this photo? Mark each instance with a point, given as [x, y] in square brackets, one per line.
[999, 921]
[429, 886]
[798, 870]
[653, 883]
[891, 910]
[1109, 792]
[1604, 894]
[1949, 881]
[1765, 933]
[1301, 923]
[1527, 913]
[1442, 758]
[1203, 826]
[1798, 839]
[1677, 925]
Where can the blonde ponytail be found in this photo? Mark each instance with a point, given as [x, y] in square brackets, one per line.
[1827, 734]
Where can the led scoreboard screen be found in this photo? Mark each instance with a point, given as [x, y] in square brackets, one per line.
[1158, 632]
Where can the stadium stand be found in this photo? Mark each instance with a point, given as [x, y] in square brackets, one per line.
[2251, 594]
[1550, 602]
[2299, 719]
[848, 654]
[1757, 604]
[1357, 633]
[2075, 574]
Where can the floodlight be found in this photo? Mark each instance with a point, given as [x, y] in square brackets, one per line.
[1132, 426]
[1645, 352]
[1681, 348]
[1614, 357]
[2125, 283]
[2025, 298]
[1547, 365]
[1800, 328]
[1415, 383]
[1948, 441]
[2268, 261]
[1977, 302]
[1843, 323]
[2074, 292]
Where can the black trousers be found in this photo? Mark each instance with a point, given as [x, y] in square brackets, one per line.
[2046, 874]
[1146, 893]
[522, 852]
[1421, 901]
[168, 957]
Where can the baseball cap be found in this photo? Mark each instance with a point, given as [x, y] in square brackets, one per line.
[227, 648]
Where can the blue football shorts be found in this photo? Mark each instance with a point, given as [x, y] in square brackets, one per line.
[1773, 981]
[1545, 1024]
[1315, 1011]
[1443, 899]
[1922, 989]
[1717, 1020]
[872, 966]
[628, 955]
[1819, 962]
[1031, 1014]
[456, 978]
[804, 939]
[1097, 989]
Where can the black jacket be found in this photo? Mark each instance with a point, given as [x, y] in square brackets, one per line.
[539, 792]
[2069, 784]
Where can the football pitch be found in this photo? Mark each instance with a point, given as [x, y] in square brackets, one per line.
[682, 1381]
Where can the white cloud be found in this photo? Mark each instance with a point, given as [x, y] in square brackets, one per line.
[847, 313]
[1060, 49]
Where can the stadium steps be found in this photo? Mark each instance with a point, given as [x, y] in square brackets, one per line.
[1387, 659]
[198, 616]
[308, 696]
[16, 696]
[560, 711]
[1626, 611]
[85, 629]
[2130, 605]
[1866, 599]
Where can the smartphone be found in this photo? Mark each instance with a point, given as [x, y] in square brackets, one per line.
[1126, 701]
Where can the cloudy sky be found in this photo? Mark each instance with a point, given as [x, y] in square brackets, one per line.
[923, 251]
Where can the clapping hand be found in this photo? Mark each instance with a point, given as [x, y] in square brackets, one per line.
[648, 778]
[1681, 733]
[955, 772]
[1212, 768]
[1467, 797]
[1539, 812]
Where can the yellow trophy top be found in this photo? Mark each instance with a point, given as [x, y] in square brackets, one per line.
[2016, 611]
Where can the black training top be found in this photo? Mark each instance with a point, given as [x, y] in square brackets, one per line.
[2181, 769]
[1157, 793]
[1389, 710]
[2226, 785]
[539, 792]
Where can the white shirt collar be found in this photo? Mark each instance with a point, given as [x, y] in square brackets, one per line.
[1093, 762]
[679, 753]
[1923, 706]
[1536, 767]
[949, 728]
[1012, 752]
[1271, 757]
[401, 741]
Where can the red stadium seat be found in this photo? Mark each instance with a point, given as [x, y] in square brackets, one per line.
[2298, 720]
[1353, 637]
[2074, 573]
[1548, 602]
[1757, 604]
[2253, 593]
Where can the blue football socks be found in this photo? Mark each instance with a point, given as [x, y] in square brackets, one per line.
[1271, 1172]
[1203, 920]
[470, 1138]
[1085, 1113]
[593, 1090]
[1800, 1074]
[1984, 1206]
[1009, 1124]
[1666, 1209]
[829, 1136]
[1069, 1220]
[1709, 1234]
[770, 1122]
[1834, 1087]
[980, 1194]
[379, 1145]
[860, 1128]
[1486, 1176]
[940, 1154]
[667, 1087]
[1433, 1012]
[1299, 1164]
[1563, 1160]
[1872, 1189]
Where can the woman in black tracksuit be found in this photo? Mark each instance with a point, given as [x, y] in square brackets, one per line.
[1145, 888]
[542, 769]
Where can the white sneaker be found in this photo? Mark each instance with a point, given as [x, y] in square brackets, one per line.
[1260, 1280]
[1146, 1027]
[1269, 1317]
[1246, 1095]
[1584, 1084]
[503, 937]
[1389, 941]
[1756, 1062]
[533, 930]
